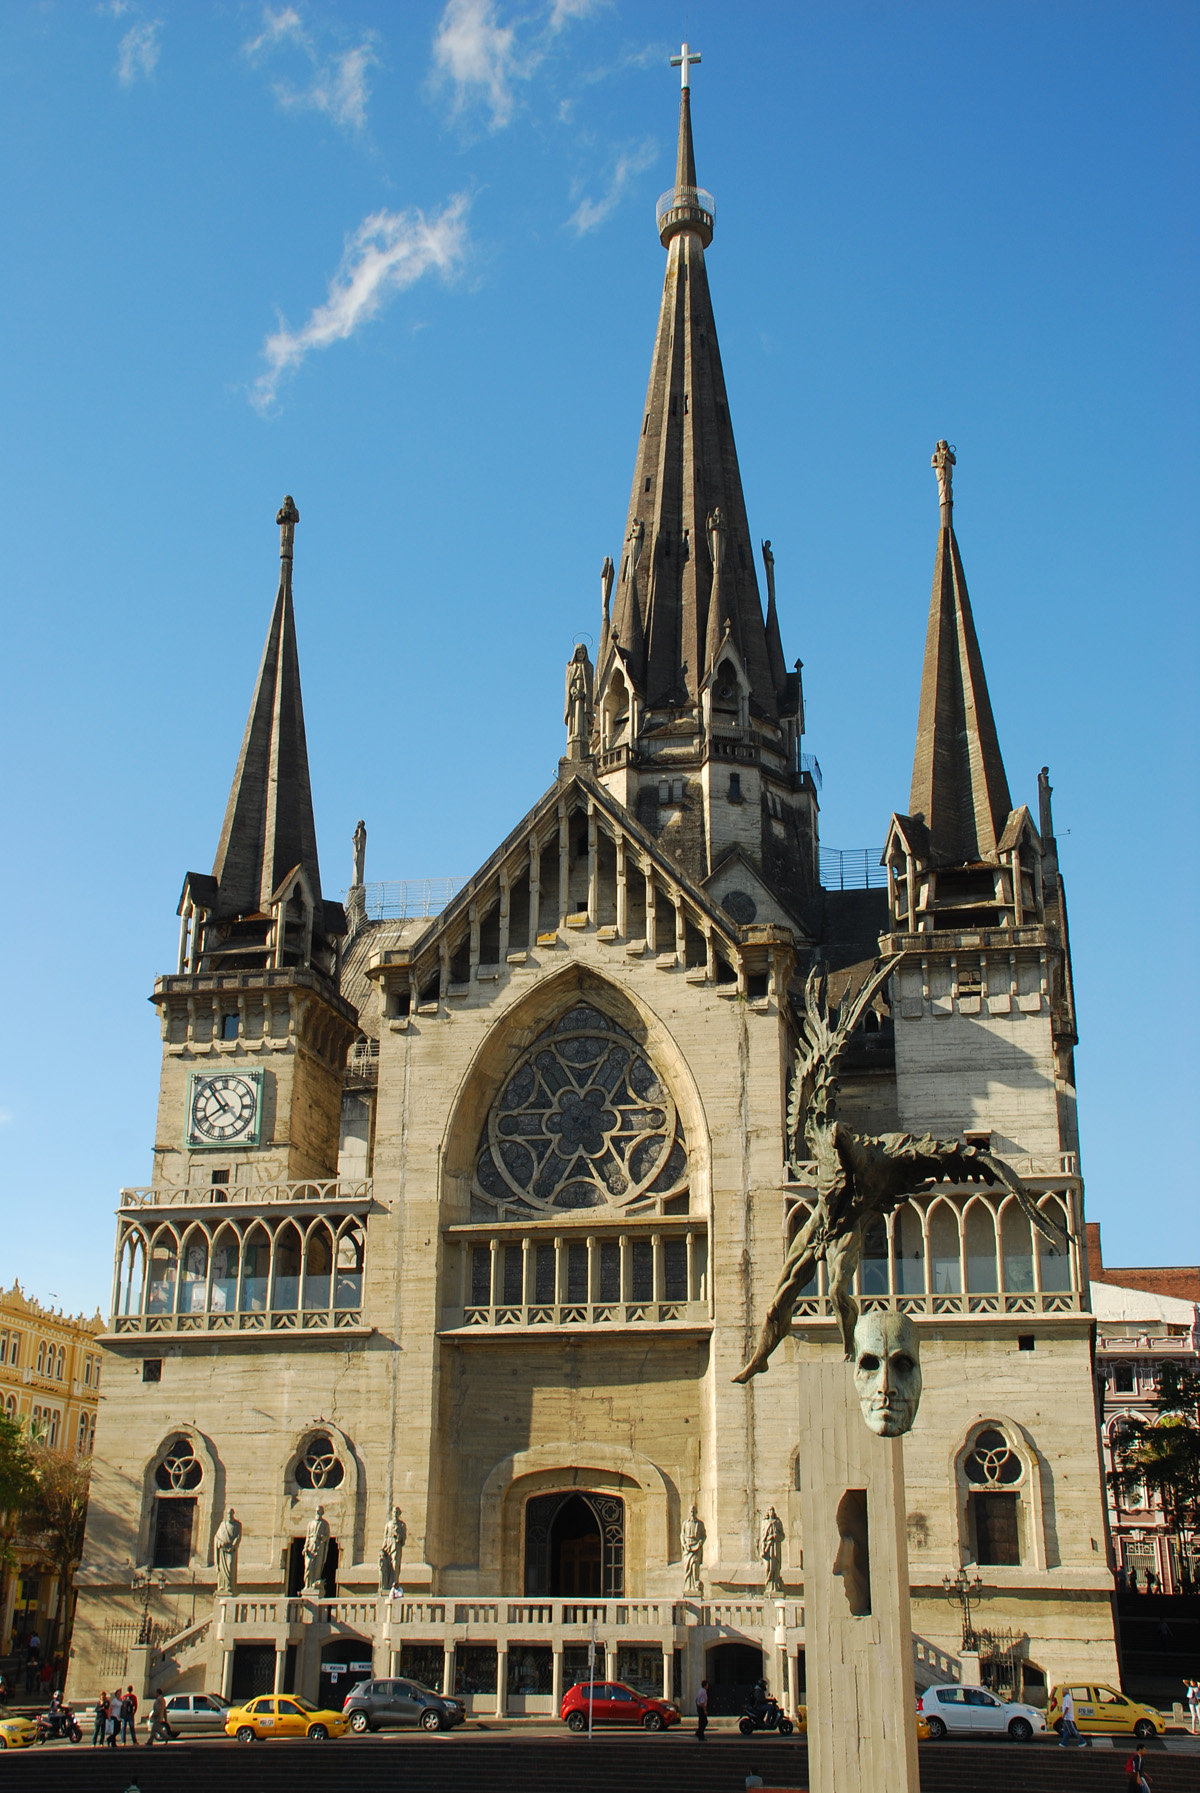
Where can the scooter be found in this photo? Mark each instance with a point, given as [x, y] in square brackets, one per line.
[767, 1717]
[62, 1723]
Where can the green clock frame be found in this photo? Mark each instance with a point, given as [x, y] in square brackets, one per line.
[234, 1084]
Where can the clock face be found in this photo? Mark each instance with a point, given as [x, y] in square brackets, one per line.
[224, 1110]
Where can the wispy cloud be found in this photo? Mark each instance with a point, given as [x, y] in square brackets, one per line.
[589, 214]
[481, 60]
[388, 252]
[6, 1117]
[138, 52]
[338, 81]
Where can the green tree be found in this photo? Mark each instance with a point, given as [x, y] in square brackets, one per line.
[1162, 1455]
[55, 1511]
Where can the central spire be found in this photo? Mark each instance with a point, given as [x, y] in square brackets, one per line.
[663, 624]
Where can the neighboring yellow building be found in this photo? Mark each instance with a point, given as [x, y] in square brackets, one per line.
[50, 1382]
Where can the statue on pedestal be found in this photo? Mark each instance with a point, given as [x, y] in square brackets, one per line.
[770, 1549]
[857, 1179]
[395, 1532]
[316, 1549]
[691, 1539]
[225, 1550]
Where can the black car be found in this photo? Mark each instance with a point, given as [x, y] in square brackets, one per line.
[373, 1704]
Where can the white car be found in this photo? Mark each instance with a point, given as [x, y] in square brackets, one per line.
[952, 1709]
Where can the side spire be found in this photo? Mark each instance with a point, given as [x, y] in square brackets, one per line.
[959, 787]
[269, 830]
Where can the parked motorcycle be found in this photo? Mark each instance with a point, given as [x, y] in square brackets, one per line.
[60, 1723]
[766, 1717]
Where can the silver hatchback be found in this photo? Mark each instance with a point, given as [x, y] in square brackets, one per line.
[973, 1710]
[196, 1714]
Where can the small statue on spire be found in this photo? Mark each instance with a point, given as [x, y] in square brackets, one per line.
[360, 854]
[606, 585]
[769, 565]
[716, 537]
[287, 518]
[943, 465]
[577, 712]
[636, 540]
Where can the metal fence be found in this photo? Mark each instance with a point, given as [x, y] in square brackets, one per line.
[852, 868]
[398, 899]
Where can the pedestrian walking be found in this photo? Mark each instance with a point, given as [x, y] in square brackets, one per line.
[1135, 1768]
[701, 1711]
[1070, 1730]
[100, 1718]
[113, 1728]
[160, 1730]
[1193, 1702]
[1133, 1586]
[129, 1706]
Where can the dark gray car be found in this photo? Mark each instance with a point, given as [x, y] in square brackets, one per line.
[373, 1704]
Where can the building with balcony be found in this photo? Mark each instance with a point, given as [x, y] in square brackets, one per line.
[50, 1384]
[463, 1212]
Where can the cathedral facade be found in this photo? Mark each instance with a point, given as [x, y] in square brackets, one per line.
[424, 1332]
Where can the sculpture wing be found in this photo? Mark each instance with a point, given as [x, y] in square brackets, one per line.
[912, 1162]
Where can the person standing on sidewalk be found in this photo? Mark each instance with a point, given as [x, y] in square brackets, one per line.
[129, 1706]
[1193, 1702]
[100, 1717]
[113, 1728]
[701, 1711]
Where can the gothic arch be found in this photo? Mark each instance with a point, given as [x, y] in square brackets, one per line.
[208, 1493]
[517, 1031]
[344, 1501]
[1028, 1486]
[651, 1503]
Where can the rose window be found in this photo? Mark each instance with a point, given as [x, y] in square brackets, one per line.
[582, 1122]
[992, 1461]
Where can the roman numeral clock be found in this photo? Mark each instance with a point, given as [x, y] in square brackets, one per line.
[225, 1109]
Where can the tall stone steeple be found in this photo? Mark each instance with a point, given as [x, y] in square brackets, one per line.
[962, 857]
[959, 789]
[697, 720]
[263, 900]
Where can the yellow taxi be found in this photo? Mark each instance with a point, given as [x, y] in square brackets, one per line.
[283, 1715]
[1099, 1708]
[923, 1731]
[17, 1733]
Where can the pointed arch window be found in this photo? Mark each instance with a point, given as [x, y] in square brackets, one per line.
[583, 1121]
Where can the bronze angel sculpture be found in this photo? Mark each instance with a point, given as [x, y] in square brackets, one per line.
[858, 1179]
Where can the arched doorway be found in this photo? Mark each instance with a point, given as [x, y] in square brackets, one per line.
[343, 1664]
[732, 1670]
[575, 1545]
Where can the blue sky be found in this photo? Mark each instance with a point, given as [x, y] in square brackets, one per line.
[401, 262]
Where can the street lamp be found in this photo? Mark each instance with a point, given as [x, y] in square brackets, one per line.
[962, 1589]
[142, 1578]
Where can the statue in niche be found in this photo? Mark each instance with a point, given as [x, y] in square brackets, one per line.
[770, 1549]
[577, 711]
[225, 1551]
[887, 1372]
[691, 1539]
[857, 1179]
[316, 1549]
[853, 1559]
[360, 854]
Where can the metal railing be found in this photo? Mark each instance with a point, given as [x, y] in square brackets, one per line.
[253, 1195]
[677, 199]
[399, 899]
[852, 868]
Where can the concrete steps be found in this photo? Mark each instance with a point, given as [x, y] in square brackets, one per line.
[466, 1762]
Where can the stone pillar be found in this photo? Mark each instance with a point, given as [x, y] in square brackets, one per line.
[858, 1628]
[668, 1669]
[968, 1668]
[280, 1665]
[137, 1669]
[227, 1672]
[556, 1680]
[501, 1677]
[448, 1668]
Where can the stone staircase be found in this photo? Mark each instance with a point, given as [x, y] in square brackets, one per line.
[175, 1655]
[511, 1763]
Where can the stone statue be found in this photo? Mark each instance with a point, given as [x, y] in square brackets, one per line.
[691, 1539]
[857, 1179]
[360, 854]
[385, 1573]
[770, 1548]
[395, 1532]
[577, 712]
[716, 537]
[225, 1550]
[943, 465]
[316, 1549]
[769, 566]
[606, 585]
[636, 539]
[887, 1371]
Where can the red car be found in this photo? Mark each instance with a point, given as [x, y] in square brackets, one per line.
[613, 1703]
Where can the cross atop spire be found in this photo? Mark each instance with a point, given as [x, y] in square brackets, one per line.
[686, 57]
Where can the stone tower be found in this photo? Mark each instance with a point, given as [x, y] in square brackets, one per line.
[697, 720]
[254, 1031]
